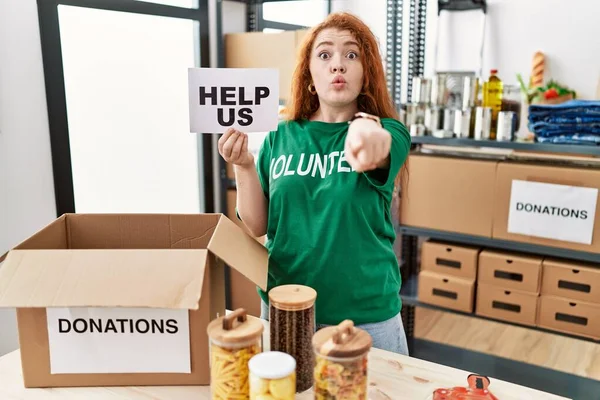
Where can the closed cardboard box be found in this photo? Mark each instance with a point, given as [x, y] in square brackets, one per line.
[446, 291]
[505, 304]
[571, 280]
[448, 259]
[265, 50]
[564, 315]
[123, 300]
[548, 205]
[511, 271]
[449, 194]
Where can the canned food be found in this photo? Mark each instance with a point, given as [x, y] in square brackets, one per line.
[483, 123]
[507, 126]
[462, 123]
[433, 119]
[449, 120]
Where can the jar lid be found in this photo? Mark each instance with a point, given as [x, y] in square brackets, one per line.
[292, 297]
[272, 365]
[235, 328]
[344, 340]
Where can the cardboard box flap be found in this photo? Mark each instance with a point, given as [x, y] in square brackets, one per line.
[52, 236]
[103, 278]
[240, 251]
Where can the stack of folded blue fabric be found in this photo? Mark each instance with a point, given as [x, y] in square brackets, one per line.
[573, 122]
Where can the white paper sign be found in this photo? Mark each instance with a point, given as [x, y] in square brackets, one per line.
[118, 340]
[552, 211]
[245, 99]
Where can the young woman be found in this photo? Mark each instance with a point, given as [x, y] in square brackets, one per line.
[322, 186]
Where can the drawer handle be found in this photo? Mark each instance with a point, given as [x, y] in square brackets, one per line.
[578, 287]
[445, 280]
[575, 271]
[507, 292]
[509, 261]
[448, 263]
[511, 276]
[448, 249]
[445, 293]
[572, 304]
[571, 318]
[506, 306]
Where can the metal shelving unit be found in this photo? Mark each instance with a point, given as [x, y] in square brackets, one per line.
[523, 146]
[409, 295]
[411, 267]
[410, 236]
[500, 244]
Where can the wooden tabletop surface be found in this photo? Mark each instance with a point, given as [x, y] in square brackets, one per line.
[391, 376]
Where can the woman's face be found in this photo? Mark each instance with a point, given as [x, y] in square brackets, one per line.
[336, 67]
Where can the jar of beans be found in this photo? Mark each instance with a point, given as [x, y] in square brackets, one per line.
[233, 339]
[292, 318]
[341, 359]
[272, 376]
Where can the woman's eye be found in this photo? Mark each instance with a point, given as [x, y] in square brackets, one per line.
[352, 55]
[324, 56]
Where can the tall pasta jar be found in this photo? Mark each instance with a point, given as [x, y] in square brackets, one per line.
[341, 362]
[233, 339]
[292, 324]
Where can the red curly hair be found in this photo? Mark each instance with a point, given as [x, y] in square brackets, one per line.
[374, 98]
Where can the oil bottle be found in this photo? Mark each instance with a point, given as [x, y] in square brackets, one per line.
[492, 97]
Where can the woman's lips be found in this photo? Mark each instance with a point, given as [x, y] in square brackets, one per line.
[338, 82]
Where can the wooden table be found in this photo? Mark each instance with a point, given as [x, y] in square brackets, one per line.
[391, 377]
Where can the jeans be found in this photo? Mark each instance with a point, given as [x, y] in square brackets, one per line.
[387, 335]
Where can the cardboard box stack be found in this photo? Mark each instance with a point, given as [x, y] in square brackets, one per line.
[105, 300]
[448, 275]
[508, 286]
[570, 298]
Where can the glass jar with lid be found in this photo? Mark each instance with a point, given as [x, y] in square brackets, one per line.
[233, 340]
[292, 325]
[341, 362]
[272, 376]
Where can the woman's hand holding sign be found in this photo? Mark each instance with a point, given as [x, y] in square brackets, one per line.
[250, 198]
[367, 145]
[233, 147]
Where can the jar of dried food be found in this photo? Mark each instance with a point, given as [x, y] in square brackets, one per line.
[292, 318]
[272, 376]
[341, 360]
[233, 340]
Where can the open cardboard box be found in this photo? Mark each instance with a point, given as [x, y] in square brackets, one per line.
[151, 275]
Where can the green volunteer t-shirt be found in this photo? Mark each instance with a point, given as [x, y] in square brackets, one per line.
[330, 227]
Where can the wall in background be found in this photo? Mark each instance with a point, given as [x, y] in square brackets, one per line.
[515, 30]
[26, 183]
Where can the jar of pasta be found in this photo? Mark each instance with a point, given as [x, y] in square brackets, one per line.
[341, 360]
[292, 325]
[233, 340]
[272, 376]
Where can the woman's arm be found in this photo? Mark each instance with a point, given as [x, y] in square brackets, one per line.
[251, 197]
[251, 201]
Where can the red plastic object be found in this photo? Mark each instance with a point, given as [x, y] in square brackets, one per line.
[477, 390]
